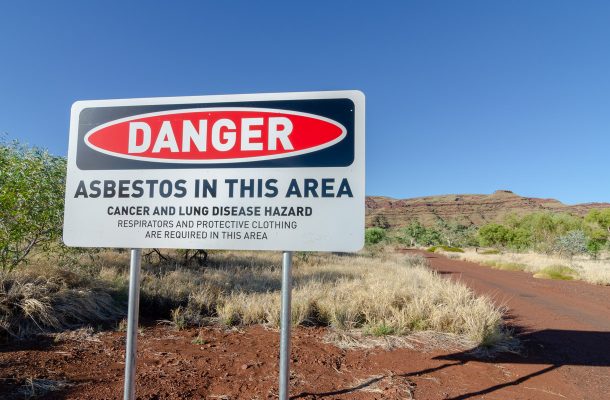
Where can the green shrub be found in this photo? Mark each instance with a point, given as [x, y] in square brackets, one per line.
[560, 272]
[489, 252]
[382, 329]
[494, 235]
[599, 223]
[594, 247]
[374, 235]
[416, 233]
[519, 238]
[445, 248]
[31, 201]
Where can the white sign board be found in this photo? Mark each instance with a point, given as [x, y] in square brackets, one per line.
[281, 171]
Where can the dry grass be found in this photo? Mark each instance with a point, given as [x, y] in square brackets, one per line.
[506, 266]
[34, 300]
[384, 295]
[545, 266]
[560, 272]
[35, 388]
[81, 335]
[422, 341]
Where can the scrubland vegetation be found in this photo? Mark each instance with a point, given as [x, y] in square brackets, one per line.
[393, 294]
[45, 286]
[562, 234]
[582, 267]
[550, 245]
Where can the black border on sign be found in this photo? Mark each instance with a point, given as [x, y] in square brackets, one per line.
[341, 110]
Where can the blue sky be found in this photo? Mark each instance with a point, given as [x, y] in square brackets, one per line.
[462, 97]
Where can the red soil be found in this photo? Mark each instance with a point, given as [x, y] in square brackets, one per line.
[564, 327]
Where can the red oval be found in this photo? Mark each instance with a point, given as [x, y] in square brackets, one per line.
[167, 143]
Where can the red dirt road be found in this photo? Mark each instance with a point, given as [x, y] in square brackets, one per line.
[564, 327]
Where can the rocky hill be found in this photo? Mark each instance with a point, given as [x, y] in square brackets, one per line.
[468, 209]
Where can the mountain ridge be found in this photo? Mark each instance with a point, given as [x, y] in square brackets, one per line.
[468, 209]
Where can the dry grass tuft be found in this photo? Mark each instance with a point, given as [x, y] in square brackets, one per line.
[422, 341]
[87, 334]
[506, 266]
[52, 299]
[34, 388]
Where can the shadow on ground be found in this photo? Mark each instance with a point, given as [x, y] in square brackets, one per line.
[549, 348]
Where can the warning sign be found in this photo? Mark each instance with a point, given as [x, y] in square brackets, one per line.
[280, 171]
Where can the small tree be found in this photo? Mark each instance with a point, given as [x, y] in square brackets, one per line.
[494, 235]
[456, 234]
[412, 232]
[31, 201]
[594, 247]
[519, 238]
[600, 217]
[571, 244]
[416, 233]
[381, 221]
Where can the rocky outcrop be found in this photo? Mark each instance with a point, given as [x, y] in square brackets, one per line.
[469, 209]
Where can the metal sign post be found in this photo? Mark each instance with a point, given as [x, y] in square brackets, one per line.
[132, 324]
[285, 324]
